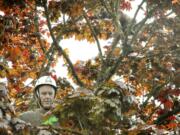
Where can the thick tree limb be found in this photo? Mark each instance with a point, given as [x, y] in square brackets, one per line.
[117, 36]
[104, 67]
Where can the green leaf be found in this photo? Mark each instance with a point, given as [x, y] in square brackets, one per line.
[51, 120]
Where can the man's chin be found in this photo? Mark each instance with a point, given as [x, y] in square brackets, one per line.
[47, 107]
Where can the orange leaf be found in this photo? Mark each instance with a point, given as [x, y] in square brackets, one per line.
[172, 125]
[32, 75]
[175, 1]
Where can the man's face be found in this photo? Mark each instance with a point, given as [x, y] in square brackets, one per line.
[46, 95]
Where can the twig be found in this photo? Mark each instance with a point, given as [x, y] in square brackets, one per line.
[154, 92]
[94, 35]
[134, 18]
[68, 130]
[154, 110]
[141, 25]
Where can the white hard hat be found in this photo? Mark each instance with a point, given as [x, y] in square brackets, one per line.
[45, 80]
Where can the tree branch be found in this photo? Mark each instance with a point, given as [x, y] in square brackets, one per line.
[111, 70]
[163, 117]
[36, 24]
[106, 7]
[118, 29]
[154, 92]
[59, 48]
[109, 55]
[117, 36]
[151, 114]
[141, 24]
[42, 67]
[68, 130]
[134, 18]
[49, 60]
[109, 73]
[94, 35]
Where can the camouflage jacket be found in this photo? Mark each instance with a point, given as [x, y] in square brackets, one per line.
[36, 118]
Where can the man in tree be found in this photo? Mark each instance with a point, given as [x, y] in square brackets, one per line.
[45, 92]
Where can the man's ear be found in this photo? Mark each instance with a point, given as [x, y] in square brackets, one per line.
[37, 93]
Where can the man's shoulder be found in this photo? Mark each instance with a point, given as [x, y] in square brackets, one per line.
[26, 113]
[29, 114]
[33, 117]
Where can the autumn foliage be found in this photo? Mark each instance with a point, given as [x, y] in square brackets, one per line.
[131, 87]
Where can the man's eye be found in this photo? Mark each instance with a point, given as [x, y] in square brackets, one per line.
[43, 93]
[50, 93]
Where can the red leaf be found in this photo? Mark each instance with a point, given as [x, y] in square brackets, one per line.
[17, 89]
[25, 53]
[168, 104]
[54, 77]
[162, 99]
[42, 22]
[172, 125]
[125, 5]
[160, 112]
[176, 92]
[171, 118]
